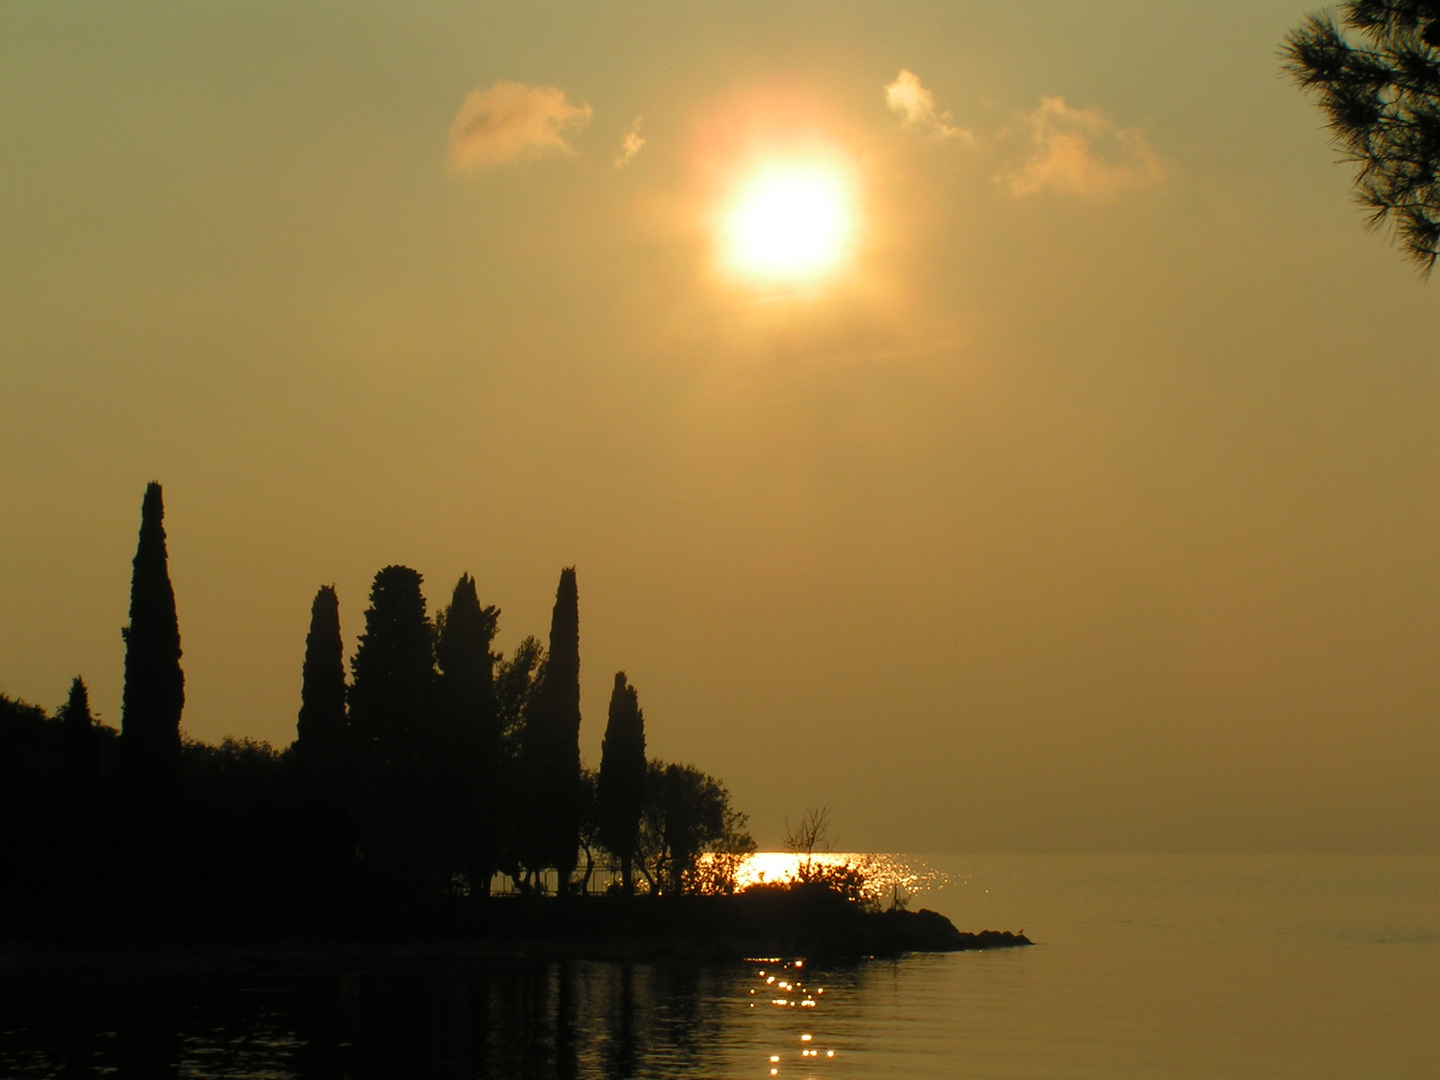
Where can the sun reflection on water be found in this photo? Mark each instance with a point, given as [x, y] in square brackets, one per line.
[887, 879]
[810, 1044]
[886, 876]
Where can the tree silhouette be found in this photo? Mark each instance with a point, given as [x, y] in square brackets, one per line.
[80, 739]
[393, 667]
[469, 762]
[154, 694]
[440, 764]
[687, 815]
[515, 682]
[551, 740]
[620, 793]
[1382, 98]
[464, 632]
[323, 751]
[320, 730]
[29, 809]
[516, 679]
[391, 705]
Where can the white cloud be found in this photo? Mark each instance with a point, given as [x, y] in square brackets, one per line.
[511, 121]
[632, 145]
[1081, 152]
[916, 105]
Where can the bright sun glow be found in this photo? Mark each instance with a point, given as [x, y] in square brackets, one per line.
[788, 221]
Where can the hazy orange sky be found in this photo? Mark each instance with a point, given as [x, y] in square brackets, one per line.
[1089, 501]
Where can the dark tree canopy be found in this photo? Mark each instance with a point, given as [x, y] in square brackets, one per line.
[392, 714]
[441, 764]
[394, 665]
[323, 752]
[79, 738]
[550, 741]
[1380, 91]
[620, 790]
[320, 731]
[467, 751]
[515, 682]
[464, 632]
[154, 694]
[688, 816]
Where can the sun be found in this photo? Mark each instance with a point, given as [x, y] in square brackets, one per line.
[788, 221]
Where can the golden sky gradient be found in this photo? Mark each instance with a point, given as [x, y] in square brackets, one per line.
[1087, 500]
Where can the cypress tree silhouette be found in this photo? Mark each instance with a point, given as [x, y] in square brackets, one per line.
[79, 739]
[321, 729]
[552, 740]
[620, 793]
[469, 761]
[322, 753]
[154, 694]
[391, 704]
[394, 667]
[462, 649]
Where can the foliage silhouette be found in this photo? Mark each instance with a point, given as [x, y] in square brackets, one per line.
[620, 792]
[1381, 95]
[807, 838]
[467, 765]
[401, 796]
[550, 744]
[516, 680]
[80, 742]
[322, 756]
[393, 667]
[687, 815]
[392, 713]
[154, 694]
[321, 732]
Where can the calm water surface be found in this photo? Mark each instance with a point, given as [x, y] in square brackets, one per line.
[1147, 967]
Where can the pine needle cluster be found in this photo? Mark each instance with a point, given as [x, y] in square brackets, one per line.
[1376, 73]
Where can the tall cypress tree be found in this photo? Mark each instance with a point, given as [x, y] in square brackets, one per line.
[467, 765]
[392, 700]
[154, 684]
[462, 649]
[320, 730]
[552, 737]
[323, 750]
[620, 793]
[394, 666]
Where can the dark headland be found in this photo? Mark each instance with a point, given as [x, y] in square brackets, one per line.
[432, 774]
[768, 921]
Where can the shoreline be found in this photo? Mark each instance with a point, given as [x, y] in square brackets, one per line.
[718, 929]
[217, 958]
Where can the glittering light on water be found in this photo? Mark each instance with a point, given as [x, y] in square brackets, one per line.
[887, 877]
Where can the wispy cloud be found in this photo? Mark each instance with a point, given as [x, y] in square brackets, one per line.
[916, 105]
[632, 144]
[510, 121]
[1080, 152]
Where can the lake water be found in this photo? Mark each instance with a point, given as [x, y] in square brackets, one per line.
[1169, 967]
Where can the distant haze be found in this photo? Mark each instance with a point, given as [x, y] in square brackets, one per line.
[1092, 503]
